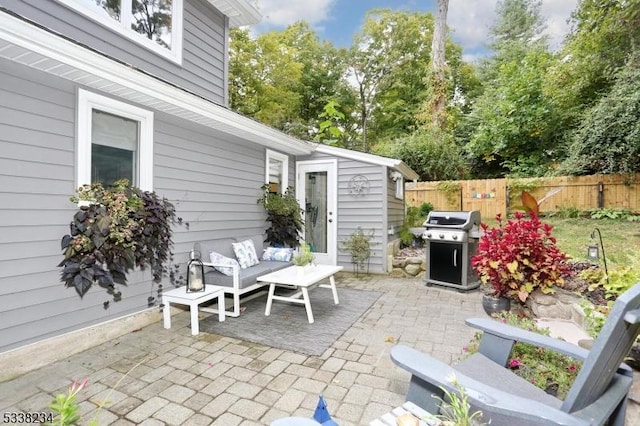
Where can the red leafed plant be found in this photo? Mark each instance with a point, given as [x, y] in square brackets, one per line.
[516, 257]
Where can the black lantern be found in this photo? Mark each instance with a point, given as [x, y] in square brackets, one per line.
[593, 252]
[195, 274]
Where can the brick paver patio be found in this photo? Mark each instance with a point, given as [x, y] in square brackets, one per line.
[210, 379]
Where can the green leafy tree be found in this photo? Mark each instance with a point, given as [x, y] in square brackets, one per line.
[389, 61]
[513, 120]
[513, 124]
[608, 139]
[605, 35]
[329, 131]
[264, 78]
[285, 79]
[430, 153]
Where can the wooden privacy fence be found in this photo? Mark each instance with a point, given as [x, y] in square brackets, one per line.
[493, 196]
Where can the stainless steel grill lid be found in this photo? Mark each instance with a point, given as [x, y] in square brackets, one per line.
[458, 220]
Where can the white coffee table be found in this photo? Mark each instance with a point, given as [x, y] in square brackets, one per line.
[290, 277]
[179, 295]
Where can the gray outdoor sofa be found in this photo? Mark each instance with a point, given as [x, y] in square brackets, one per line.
[242, 281]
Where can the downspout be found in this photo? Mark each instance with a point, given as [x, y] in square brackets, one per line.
[385, 216]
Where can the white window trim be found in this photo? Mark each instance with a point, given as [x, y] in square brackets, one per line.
[174, 54]
[88, 101]
[285, 168]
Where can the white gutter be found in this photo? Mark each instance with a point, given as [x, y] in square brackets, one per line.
[240, 12]
[25, 43]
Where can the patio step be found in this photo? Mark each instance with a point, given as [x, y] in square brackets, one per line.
[564, 329]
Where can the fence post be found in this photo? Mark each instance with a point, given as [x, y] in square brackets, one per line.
[600, 195]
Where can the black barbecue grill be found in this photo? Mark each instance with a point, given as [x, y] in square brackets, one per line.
[451, 239]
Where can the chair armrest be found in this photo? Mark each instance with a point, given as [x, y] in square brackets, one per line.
[432, 374]
[236, 268]
[508, 332]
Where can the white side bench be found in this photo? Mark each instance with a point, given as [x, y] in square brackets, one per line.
[180, 296]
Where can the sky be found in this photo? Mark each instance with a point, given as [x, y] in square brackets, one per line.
[470, 20]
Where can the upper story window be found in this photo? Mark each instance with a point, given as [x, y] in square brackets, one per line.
[155, 24]
[115, 141]
[277, 175]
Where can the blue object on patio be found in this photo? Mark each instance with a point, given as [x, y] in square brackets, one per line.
[598, 395]
[321, 415]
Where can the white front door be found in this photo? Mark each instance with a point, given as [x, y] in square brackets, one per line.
[316, 191]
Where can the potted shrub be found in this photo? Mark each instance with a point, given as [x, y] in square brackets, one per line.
[285, 216]
[303, 259]
[517, 257]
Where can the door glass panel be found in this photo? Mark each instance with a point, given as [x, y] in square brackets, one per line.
[316, 211]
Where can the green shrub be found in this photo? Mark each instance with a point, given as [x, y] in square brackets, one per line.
[610, 213]
[406, 236]
[425, 209]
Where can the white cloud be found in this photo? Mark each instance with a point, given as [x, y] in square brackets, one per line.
[556, 14]
[281, 13]
[471, 20]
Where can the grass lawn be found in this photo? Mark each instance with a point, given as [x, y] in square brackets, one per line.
[621, 239]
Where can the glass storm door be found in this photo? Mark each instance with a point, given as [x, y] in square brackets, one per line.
[316, 192]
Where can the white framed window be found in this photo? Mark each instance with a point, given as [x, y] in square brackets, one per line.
[114, 141]
[277, 171]
[400, 188]
[398, 179]
[155, 24]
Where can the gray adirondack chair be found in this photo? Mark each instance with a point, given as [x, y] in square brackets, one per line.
[598, 395]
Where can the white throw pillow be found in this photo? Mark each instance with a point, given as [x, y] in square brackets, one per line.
[280, 254]
[222, 263]
[245, 253]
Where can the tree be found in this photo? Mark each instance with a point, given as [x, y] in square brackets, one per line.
[285, 79]
[430, 153]
[438, 64]
[605, 35]
[608, 139]
[513, 122]
[389, 61]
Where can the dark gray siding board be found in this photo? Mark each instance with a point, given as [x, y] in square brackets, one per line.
[204, 44]
[213, 180]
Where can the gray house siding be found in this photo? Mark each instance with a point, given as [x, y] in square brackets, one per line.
[203, 47]
[213, 180]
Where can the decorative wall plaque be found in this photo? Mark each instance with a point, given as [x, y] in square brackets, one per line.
[358, 185]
